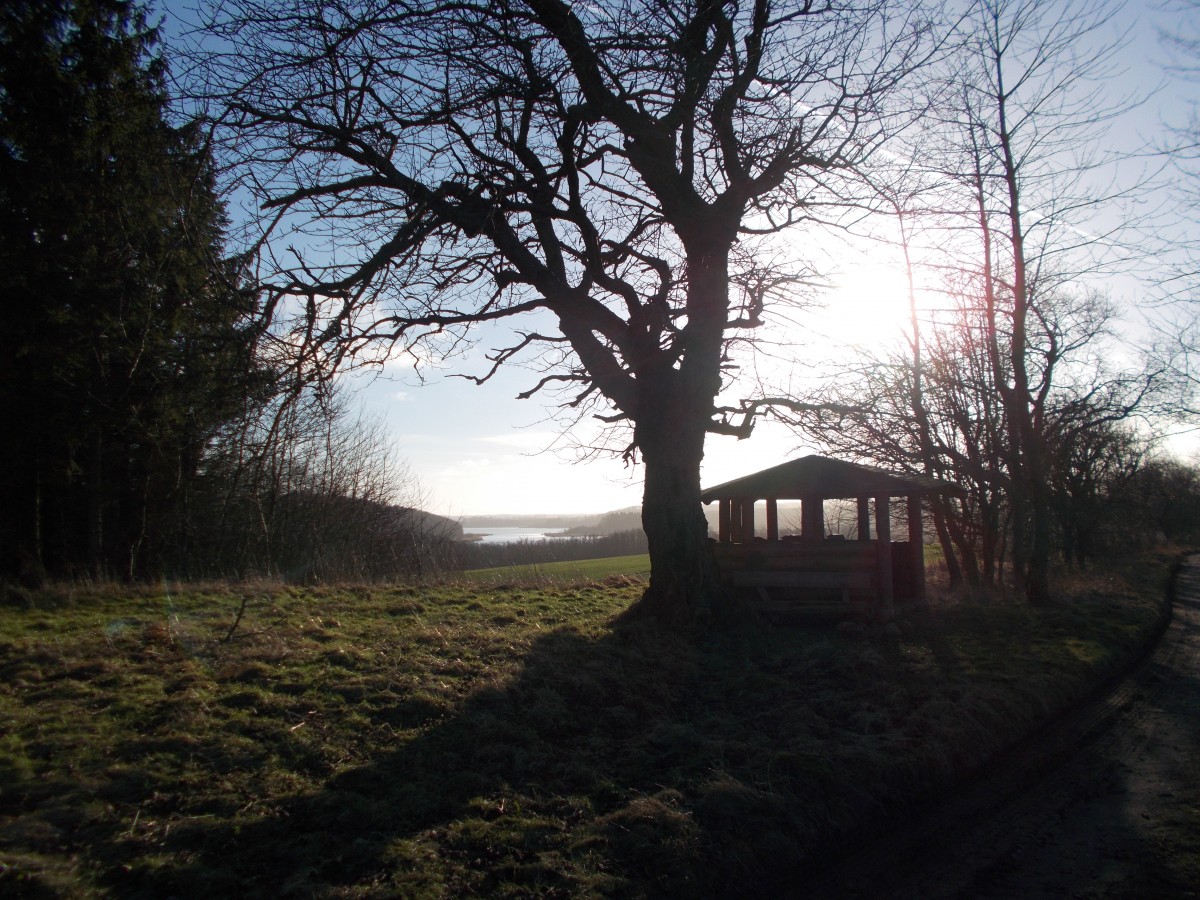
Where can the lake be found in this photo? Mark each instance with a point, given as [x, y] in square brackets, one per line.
[508, 535]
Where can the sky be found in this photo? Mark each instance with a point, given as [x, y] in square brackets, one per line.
[476, 449]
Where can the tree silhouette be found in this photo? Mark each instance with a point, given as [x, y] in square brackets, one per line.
[602, 169]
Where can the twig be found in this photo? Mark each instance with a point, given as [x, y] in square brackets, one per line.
[237, 619]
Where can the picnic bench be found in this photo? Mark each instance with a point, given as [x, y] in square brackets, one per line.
[804, 591]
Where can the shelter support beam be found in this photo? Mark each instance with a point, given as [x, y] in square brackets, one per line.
[812, 518]
[916, 546]
[864, 519]
[883, 544]
[747, 520]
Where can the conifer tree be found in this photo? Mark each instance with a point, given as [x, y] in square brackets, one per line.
[127, 341]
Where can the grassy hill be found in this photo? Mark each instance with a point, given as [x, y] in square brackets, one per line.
[496, 739]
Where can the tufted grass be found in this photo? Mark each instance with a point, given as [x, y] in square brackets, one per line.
[497, 739]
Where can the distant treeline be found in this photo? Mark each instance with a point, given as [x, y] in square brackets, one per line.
[527, 552]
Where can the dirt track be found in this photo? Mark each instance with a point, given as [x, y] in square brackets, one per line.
[1105, 806]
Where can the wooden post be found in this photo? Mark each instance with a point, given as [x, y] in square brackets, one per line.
[812, 519]
[916, 544]
[864, 519]
[772, 520]
[883, 531]
[723, 534]
[747, 521]
[735, 520]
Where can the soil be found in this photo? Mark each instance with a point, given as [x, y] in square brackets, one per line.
[1106, 804]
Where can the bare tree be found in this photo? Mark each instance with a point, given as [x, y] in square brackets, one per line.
[1035, 101]
[601, 169]
[1023, 360]
[308, 488]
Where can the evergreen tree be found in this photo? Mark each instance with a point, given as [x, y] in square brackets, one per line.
[127, 342]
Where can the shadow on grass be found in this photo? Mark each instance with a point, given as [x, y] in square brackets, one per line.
[1116, 817]
[634, 764]
[629, 762]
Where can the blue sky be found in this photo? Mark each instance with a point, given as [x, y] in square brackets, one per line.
[477, 449]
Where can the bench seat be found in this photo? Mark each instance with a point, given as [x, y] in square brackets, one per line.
[842, 583]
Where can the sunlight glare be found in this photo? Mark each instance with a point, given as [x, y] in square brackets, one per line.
[867, 305]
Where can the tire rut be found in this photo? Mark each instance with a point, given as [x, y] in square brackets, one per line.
[1102, 805]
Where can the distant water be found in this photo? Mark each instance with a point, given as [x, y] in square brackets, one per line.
[509, 535]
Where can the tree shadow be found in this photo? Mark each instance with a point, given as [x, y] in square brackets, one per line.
[635, 762]
[622, 764]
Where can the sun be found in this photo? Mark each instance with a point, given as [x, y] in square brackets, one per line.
[861, 313]
[867, 305]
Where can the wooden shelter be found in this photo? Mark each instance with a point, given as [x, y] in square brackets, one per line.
[812, 570]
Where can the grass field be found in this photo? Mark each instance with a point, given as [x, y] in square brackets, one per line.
[637, 566]
[581, 570]
[496, 739]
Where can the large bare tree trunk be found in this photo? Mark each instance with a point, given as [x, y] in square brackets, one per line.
[683, 582]
[674, 413]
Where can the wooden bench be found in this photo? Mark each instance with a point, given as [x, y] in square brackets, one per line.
[841, 582]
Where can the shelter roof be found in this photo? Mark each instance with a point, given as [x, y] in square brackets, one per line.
[827, 479]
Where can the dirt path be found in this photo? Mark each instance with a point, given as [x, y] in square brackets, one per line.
[1107, 806]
